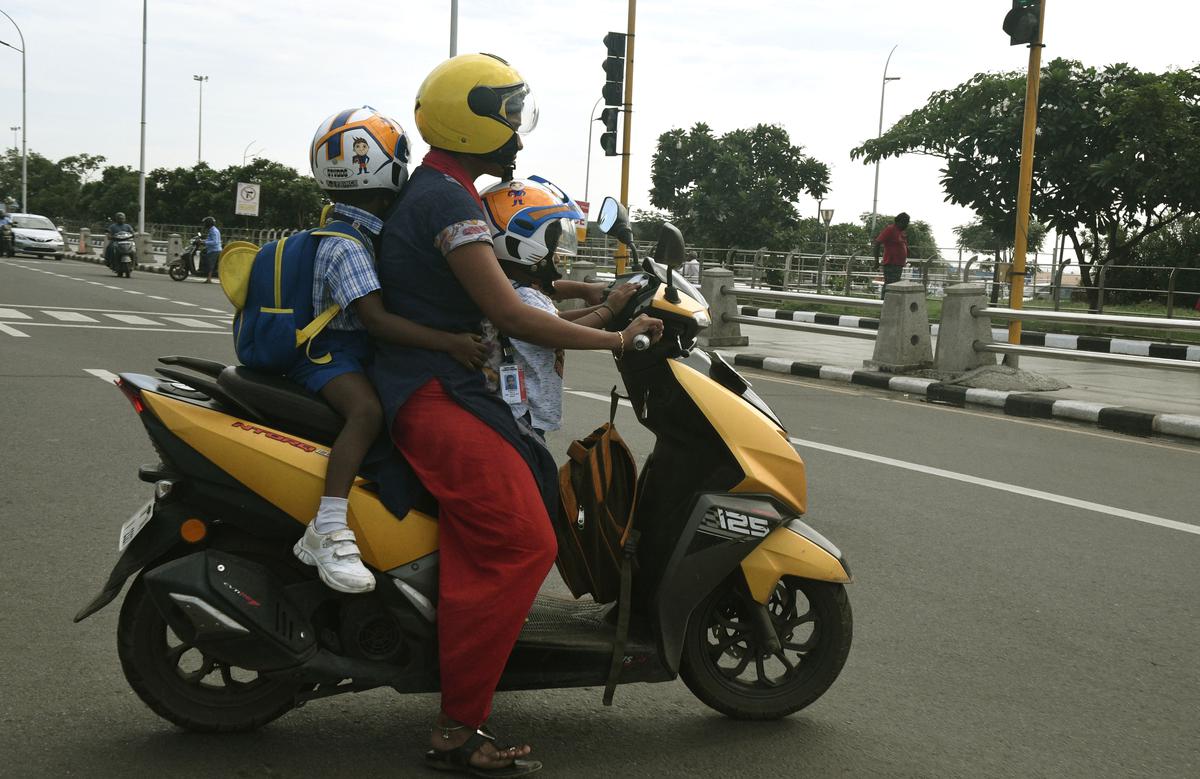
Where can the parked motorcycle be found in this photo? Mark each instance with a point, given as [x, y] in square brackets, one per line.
[186, 265]
[123, 254]
[223, 629]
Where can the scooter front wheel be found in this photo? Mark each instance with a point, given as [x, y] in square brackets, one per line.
[183, 685]
[177, 272]
[728, 665]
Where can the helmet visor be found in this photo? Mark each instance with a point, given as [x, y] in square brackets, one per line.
[518, 107]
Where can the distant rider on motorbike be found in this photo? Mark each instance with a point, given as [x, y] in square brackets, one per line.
[119, 225]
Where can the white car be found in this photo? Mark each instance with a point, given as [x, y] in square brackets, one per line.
[33, 234]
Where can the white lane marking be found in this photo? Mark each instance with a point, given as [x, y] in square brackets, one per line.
[98, 284]
[14, 332]
[1015, 489]
[160, 329]
[110, 286]
[157, 297]
[133, 292]
[1050, 497]
[182, 320]
[70, 316]
[107, 310]
[133, 319]
[597, 396]
[216, 311]
[12, 313]
[102, 374]
[180, 302]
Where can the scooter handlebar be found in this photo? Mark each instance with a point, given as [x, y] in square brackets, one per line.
[641, 342]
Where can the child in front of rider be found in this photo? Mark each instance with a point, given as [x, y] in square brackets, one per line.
[344, 274]
[532, 223]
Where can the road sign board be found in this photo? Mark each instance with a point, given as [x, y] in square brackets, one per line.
[247, 199]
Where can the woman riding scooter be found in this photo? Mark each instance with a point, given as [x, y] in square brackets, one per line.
[492, 479]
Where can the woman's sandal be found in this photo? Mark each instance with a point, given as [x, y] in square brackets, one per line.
[459, 759]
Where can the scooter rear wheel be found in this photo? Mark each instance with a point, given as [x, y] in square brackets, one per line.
[725, 661]
[185, 686]
[177, 272]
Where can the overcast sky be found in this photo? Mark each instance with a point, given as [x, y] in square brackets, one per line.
[278, 68]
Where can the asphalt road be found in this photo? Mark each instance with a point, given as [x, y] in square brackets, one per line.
[1025, 597]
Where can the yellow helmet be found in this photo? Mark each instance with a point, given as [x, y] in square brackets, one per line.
[475, 104]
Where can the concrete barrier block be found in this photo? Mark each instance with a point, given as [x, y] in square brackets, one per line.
[580, 271]
[960, 330]
[174, 247]
[903, 342]
[720, 305]
[85, 241]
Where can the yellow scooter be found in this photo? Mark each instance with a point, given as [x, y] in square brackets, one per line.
[223, 630]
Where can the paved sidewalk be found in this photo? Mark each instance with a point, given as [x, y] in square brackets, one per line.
[1142, 400]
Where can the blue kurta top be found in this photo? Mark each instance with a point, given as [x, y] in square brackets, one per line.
[435, 214]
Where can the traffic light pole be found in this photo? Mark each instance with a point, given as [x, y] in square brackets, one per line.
[1025, 183]
[622, 254]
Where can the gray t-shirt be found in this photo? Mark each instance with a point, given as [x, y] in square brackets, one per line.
[542, 366]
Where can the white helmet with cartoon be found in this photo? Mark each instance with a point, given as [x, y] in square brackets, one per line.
[531, 220]
[359, 149]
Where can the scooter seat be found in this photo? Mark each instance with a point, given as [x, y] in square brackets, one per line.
[282, 403]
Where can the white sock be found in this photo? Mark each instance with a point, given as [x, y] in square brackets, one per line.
[331, 515]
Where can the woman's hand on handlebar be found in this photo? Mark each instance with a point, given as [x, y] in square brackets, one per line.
[642, 324]
[620, 297]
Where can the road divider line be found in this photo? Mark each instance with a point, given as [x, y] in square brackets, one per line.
[182, 320]
[220, 331]
[133, 319]
[597, 396]
[12, 313]
[69, 316]
[1015, 489]
[14, 332]
[100, 373]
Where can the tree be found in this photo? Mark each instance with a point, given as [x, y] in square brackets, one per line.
[735, 190]
[1115, 157]
[975, 236]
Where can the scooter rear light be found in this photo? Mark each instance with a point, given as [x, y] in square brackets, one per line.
[133, 393]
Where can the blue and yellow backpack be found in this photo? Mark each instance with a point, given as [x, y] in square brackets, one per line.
[271, 290]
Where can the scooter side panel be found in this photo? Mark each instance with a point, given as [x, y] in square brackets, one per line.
[786, 553]
[761, 448]
[289, 473]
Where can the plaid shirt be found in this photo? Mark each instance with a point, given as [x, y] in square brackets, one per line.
[343, 270]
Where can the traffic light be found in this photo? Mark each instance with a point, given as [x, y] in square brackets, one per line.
[614, 69]
[1023, 21]
[608, 139]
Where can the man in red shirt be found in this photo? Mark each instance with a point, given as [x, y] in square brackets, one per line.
[894, 241]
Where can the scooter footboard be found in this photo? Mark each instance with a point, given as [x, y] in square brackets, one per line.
[793, 549]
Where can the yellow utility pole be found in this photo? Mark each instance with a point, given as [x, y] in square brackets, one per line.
[1025, 183]
[622, 253]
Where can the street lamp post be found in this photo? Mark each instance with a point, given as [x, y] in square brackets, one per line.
[142, 144]
[246, 152]
[453, 28]
[882, 92]
[587, 176]
[826, 217]
[24, 123]
[200, 116]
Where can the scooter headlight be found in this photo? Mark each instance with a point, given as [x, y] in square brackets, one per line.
[701, 318]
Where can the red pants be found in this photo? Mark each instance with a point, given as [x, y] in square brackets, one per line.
[496, 542]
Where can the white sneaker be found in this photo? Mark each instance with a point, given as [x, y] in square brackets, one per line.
[337, 559]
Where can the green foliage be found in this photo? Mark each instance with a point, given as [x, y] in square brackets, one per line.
[1115, 157]
[976, 236]
[1150, 267]
[737, 190]
[79, 189]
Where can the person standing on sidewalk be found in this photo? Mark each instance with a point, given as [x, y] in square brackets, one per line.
[212, 248]
[894, 242]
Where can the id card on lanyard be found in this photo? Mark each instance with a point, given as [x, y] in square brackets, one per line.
[512, 377]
